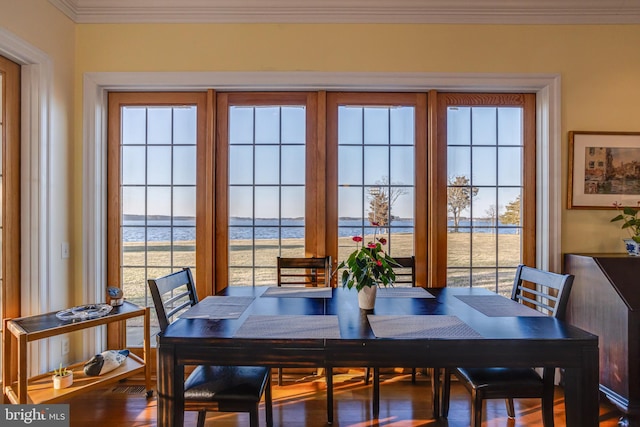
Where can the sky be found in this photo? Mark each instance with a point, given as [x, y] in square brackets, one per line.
[278, 158]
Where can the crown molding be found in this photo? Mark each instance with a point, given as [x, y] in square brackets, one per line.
[353, 11]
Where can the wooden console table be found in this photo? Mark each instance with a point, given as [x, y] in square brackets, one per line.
[605, 300]
[18, 388]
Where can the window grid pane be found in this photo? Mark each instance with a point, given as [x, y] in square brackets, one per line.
[158, 202]
[375, 177]
[484, 188]
[266, 190]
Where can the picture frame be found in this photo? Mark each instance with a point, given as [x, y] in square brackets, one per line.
[604, 168]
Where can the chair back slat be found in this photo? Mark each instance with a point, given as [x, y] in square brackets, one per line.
[304, 271]
[169, 297]
[546, 291]
[406, 274]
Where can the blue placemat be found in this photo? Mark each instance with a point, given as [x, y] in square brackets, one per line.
[289, 326]
[297, 292]
[498, 306]
[420, 326]
[413, 292]
[218, 307]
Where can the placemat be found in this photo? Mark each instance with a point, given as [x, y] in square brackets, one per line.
[289, 326]
[297, 292]
[498, 306]
[218, 307]
[420, 326]
[413, 292]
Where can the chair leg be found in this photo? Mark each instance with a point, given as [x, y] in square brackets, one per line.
[279, 376]
[476, 409]
[253, 416]
[329, 381]
[202, 415]
[511, 410]
[376, 392]
[367, 374]
[268, 403]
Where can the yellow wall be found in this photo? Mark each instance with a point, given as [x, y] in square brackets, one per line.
[599, 68]
[46, 29]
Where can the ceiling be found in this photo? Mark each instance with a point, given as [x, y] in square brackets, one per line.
[354, 11]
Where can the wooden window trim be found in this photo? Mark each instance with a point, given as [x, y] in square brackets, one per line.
[314, 223]
[116, 335]
[419, 102]
[528, 102]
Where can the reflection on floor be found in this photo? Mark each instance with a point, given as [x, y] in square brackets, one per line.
[300, 402]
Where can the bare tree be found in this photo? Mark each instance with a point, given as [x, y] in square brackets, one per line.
[382, 199]
[459, 197]
[492, 214]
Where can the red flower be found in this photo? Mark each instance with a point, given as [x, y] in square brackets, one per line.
[357, 239]
[382, 240]
[375, 224]
[379, 263]
[371, 245]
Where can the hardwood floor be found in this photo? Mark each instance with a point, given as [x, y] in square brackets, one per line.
[300, 402]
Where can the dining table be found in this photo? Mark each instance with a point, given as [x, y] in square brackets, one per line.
[408, 327]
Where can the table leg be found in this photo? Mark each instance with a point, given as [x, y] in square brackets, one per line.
[329, 379]
[581, 391]
[435, 392]
[170, 384]
[376, 392]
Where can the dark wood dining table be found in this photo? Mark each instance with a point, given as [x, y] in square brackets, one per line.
[451, 327]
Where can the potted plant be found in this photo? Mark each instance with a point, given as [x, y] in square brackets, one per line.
[630, 222]
[368, 267]
[62, 378]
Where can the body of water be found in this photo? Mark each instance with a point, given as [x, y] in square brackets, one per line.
[160, 230]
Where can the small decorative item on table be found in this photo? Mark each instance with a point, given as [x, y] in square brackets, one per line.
[115, 297]
[630, 222]
[84, 312]
[62, 378]
[367, 268]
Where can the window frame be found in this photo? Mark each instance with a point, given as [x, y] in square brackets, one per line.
[116, 333]
[528, 207]
[418, 100]
[314, 188]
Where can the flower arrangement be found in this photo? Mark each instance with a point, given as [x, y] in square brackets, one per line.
[369, 265]
[630, 219]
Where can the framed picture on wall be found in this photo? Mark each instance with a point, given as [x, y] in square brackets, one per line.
[604, 168]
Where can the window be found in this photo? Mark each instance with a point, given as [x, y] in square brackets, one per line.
[153, 209]
[375, 142]
[265, 141]
[300, 173]
[490, 189]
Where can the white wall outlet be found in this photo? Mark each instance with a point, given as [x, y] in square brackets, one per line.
[64, 344]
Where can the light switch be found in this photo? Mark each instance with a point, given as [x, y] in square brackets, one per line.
[65, 250]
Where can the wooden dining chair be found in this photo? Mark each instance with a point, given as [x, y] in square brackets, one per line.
[405, 276]
[304, 272]
[546, 292]
[211, 388]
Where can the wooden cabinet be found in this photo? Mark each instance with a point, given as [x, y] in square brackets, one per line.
[18, 388]
[605, 300]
